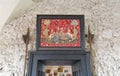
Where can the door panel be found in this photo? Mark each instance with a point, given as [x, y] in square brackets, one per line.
[41, 71]
[77, 69]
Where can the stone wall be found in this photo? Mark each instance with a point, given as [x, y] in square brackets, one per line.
[103, 16]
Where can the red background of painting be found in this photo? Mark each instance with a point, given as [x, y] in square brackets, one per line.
[60, 23]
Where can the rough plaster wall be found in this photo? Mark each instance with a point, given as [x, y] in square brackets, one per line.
[102, 15]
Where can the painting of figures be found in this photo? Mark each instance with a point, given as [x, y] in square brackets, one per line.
[60, 33]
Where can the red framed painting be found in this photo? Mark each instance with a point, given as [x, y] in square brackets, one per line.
[60, 32]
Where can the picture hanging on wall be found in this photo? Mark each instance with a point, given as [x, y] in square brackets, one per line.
[60, 31]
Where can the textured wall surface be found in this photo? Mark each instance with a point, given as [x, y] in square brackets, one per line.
[103, 16]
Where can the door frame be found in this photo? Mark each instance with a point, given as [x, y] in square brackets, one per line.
[58, 55]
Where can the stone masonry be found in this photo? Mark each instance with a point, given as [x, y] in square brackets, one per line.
[103, 17]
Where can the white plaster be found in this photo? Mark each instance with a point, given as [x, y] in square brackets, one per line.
[10, 9]
[6, 7]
